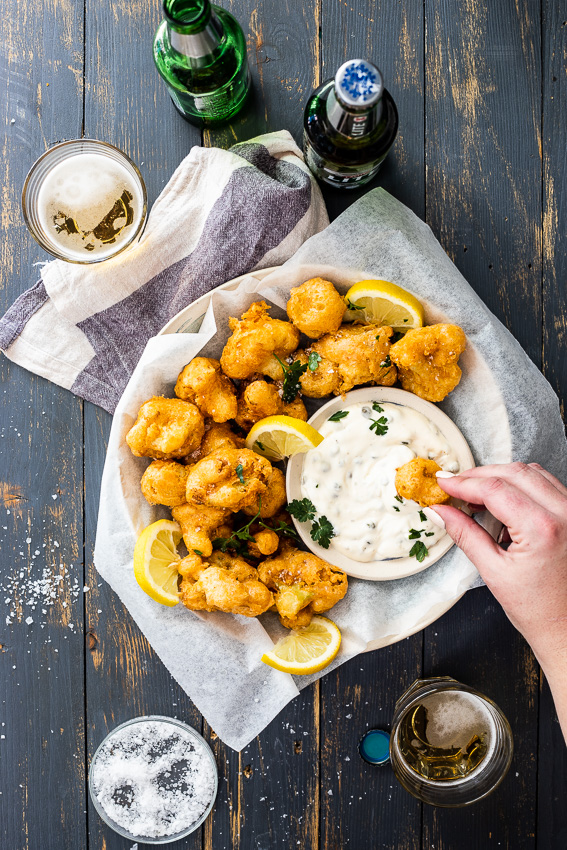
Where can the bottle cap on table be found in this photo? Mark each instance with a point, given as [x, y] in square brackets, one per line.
[374, 747]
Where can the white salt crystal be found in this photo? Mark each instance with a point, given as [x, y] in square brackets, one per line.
[85, 588]
[54, 496]
[29, 620]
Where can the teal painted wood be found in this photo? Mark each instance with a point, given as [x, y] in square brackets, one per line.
[41, 528]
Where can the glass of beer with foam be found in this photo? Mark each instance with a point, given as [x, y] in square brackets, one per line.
[84, 201]
[450, 745]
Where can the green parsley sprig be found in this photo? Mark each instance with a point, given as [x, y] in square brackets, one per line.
[321, 530]
[291, 383]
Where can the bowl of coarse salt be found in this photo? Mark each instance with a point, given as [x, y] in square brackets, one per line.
[153, 779]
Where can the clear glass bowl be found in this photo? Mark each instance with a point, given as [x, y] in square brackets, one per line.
[199, 742]
[42, 168]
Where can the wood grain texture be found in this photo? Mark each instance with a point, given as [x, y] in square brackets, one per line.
[41, 678]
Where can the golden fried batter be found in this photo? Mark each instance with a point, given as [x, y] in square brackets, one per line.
[416, 480]
[217, 436]
[427, 360]
[360, 355]
[272, 499]
[256, 337]
[260, 399]
[166, 428]
[323, 381]
[316, 308]
[164, 483]
[228, 478]
[200, 525]
[303, 584]
[203, 383]
[191, 566]
[226, 584]
[265, 542]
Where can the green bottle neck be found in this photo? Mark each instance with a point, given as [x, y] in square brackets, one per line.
[187, 17]
[194, 29]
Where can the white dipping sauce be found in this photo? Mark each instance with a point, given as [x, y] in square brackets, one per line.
[350, 478]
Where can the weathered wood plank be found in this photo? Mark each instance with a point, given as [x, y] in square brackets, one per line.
[41, 533]
[552, 761]
[126, 103]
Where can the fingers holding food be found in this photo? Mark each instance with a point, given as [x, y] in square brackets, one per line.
[416, 480]
[272, 499]
[256, 341]
[164, 483]
[203, 383]
[200, 525]
[316, 308]
[427, 360]
[166, 428]
[360, 354]
[228, 478]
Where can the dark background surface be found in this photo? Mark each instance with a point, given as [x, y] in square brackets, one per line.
[482, 93]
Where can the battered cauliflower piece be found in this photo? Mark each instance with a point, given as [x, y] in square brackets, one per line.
[200, 525]
[273, 498]
[229, 584]
[427, 360]
[323, 381]
[360, 353]
[265, 543]
[228, 478]
[260, 399]
[316, 308]
[191, 566]
[256, 338]
[303, 585]
[164, 483]
[416, 480]
[203, 383]
[217, 436]
[166, 428]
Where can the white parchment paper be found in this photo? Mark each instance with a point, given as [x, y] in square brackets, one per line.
[503, 406]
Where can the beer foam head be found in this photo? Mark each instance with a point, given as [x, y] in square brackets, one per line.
[453, 717]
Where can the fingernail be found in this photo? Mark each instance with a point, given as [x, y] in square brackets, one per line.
[443, 474]
[434, 517]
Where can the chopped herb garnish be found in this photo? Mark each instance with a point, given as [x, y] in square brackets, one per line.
[399, 499]
[239, 472]
[380, 426]
[377, 408]
[414, 534]
[198, 552]
[385, 364]
[378, 337]
[422, 516]
[322, 531]
[313, 360]
[395, 508]
[260, 446]
[291, 384]
[340, 414]
[429, 533]
[302, 509]
[239, 539]
[419, 550]
[352, 306]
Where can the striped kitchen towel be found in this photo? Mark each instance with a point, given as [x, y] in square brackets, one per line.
[222, 214]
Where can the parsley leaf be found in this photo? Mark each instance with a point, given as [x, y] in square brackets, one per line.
[292, 374]
[395, 508]
[398, 498]
[313, 360]
[377, 408]
[239, 472]
[385, 364]
[414, 534]
[419, 550]
[340, 414]
[198, 552]
[302, 509]
[322, 531]
[422, 516]
[429, 533]
[352, 306]
[380, 426]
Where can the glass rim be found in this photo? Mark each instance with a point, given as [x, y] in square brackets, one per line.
[38, 236]
[172, 721]
[191, 25]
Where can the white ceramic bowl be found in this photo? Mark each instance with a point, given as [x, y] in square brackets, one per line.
[395, 567]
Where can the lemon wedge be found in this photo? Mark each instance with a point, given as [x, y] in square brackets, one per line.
[383, 303]
[156, 560]
[306, 650]
[276, 437]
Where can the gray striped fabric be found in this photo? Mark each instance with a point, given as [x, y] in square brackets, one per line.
[222, 214]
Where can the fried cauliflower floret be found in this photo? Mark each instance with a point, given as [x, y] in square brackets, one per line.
[228, 478]
[255, 339]
[360, 355]
[217, 436]
[226, 584]
[265, 543]
[323, 381]
[166, 428]
[427, 360]
[316, 308]
[191, 566]
[272, 499]
[260, 399]
[203, 383]
[303, 585]
[164, 483]
[200, 525]
[416, 480]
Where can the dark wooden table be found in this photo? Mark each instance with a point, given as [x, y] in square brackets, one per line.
[481, 156]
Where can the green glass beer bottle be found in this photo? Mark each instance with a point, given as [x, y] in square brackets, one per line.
[200, 51]
[350, 124]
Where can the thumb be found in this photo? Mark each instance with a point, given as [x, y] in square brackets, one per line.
[474, 541]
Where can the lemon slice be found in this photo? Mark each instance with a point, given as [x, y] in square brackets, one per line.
[306, 650]
[156, 560]
[276, 437]
[383, 303]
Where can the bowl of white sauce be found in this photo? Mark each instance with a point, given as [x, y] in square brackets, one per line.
[349, 479]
